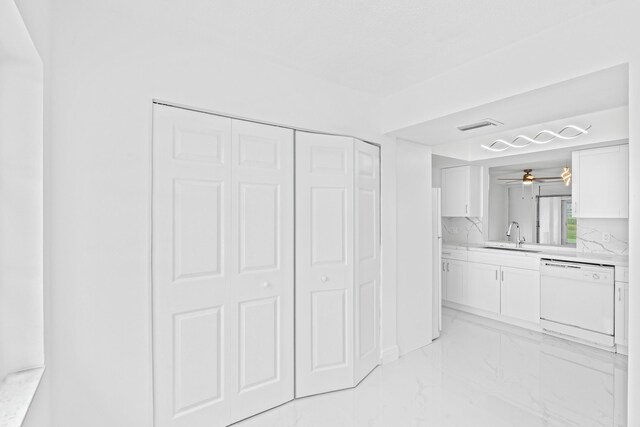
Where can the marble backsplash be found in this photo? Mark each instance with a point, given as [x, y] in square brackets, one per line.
[462, 230]
[603, 235]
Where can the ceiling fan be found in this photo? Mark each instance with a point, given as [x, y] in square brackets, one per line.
[528, 178]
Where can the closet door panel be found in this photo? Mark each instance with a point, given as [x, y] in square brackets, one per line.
[191, 268]
[222, 268]
[261, 293]
[324, 263]
[367, 259]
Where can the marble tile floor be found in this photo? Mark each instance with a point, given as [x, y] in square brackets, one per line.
[478, 373]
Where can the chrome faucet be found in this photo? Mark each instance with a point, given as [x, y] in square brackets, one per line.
[520, 241]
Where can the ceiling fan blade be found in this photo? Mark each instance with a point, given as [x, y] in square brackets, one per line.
[549, 177]
[509, 179]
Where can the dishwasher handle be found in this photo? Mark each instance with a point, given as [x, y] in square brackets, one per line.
[560, 265]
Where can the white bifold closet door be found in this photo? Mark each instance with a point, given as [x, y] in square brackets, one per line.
[222, 268]
[337, 262]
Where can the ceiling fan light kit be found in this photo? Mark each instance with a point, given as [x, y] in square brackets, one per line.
[522, 141]
[528, 178]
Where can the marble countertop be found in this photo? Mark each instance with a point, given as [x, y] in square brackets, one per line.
[16, 393]
[565, 254]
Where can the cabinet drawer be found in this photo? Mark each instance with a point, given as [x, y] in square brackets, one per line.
[622, 274]
[496, 257]
[459, 254]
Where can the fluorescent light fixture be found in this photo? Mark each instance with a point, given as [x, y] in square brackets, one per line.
[478, 125]
[501, 145]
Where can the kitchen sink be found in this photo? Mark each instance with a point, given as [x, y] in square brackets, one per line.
[512, 249]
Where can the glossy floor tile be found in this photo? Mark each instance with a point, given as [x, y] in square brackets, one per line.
[478, 373]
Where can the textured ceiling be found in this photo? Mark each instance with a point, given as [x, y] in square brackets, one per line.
[377, 46]
[601, 90]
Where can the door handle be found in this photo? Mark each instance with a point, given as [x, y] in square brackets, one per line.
[466, 209]
[323, 279]
[496, 274]
[447, 267]
[266, 284]
[443, 266]
[501, 276]
[619, 294]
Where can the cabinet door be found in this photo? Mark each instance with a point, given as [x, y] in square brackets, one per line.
[367, 258]
[324, 263]
[456, 275]
[222, 270]
[601, 182]
[622, 313]
[455, 191]
[443, 267]
[483, 287]
[520, 294]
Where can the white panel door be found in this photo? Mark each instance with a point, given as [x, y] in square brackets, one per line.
[222, 268]
[324, 263]
[191, 267]
[261, 289]
[367, 258]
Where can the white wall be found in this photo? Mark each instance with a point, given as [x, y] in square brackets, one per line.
[602, 38]
[388, 302]
[414, 249]
[498, 220]
[21, 215]
[108, 61]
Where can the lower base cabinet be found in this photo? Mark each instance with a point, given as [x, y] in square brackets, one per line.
[506, 291]
[622, 314]
[483, 287]
[520, 294]
[454, 277]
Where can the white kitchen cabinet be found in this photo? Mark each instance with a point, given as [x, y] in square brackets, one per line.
[482, 288]
[622, 309]
[453, 279]
[462, 191]
[520, 294]
[622, 314]
[600, 186]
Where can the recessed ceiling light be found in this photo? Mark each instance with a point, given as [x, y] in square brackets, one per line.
[478, 125]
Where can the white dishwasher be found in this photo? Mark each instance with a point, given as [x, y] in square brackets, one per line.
[577, 301]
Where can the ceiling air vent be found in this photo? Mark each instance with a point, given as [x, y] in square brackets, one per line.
[478, 125]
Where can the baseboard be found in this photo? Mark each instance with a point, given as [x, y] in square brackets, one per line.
[390, 354]
[622, 349]
[493, 316]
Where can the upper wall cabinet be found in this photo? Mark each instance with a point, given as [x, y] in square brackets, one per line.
[462, 191]
[601, 182]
